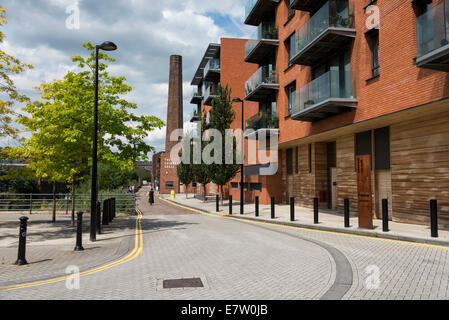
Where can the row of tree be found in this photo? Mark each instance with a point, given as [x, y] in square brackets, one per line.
[61, 121]
[221, 117]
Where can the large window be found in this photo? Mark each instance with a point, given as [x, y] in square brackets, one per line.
[373, 38]
[289, 161]
[291, 94]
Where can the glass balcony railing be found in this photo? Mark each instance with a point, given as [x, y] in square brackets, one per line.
[249, 7]
[197, 94]
[331, 85]
[265, 75]
[212, 64]
[210, 92]
[335, 14]
[432, 29]
[263, 32]
[263, 120]
[196, 115]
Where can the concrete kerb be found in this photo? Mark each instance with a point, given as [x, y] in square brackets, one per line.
[357, 232]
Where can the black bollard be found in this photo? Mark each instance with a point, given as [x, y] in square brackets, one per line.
[79, 233]
[315, 211]
[113, 207]
[217, 203]
[292, 209]
[273, 213]
[111, 214]
[257, 206]
[347, 220]
[230, 205]
[22, 242]
[434, 218]
[99, 217]
[105, 220]
[385, 215]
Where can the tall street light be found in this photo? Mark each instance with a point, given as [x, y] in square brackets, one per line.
[106, 46]
[243, 153]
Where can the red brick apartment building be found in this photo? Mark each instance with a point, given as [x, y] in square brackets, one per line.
[362, 108]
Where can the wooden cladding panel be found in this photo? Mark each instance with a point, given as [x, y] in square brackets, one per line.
[420, 169]
[347, 176]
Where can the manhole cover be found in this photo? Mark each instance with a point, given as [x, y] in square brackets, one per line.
[183, 283]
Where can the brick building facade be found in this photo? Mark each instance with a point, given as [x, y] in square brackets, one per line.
[362, 103]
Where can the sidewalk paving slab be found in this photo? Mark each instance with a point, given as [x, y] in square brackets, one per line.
[328, 221]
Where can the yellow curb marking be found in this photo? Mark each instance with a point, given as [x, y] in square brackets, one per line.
[136, 252]
[219, 215]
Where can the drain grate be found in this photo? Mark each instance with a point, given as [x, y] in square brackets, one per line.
[183, 283]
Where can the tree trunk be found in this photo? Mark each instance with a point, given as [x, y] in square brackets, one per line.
[54, 202]
[73, 203]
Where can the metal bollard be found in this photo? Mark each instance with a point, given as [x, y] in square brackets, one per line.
[257, 206]
[105, 220]
[113, 207]
[79, 232]
[99, 217]
[230, 205]
[217, 203]
[434, 218]
[315, 211]
[292, 209]
[22, 242]
[111, 214]
[347, 220]
[385, 215]
[273, 213]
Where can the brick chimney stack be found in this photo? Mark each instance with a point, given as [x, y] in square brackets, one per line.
[175, 115]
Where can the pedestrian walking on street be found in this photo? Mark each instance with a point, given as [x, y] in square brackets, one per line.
[151, 197]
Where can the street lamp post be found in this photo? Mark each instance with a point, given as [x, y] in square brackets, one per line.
[243, 154]
[106, 46]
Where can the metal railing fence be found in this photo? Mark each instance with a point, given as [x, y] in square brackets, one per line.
[38, 203]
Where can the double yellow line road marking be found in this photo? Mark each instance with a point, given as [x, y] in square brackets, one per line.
[136, 252]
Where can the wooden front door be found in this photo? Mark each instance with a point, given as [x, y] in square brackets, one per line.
[364, 192]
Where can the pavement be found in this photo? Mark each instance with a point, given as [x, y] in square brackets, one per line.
[245, 259]
[328, 221]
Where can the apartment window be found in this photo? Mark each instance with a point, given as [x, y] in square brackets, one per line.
[256, 187]
[169, 185]
[297, 160]
[289, 43]
[382, 148]
[245, 186]
[373, 38]
[289, 161]
[234, 185]
[310, 158]
[291, 94]
[290, 11]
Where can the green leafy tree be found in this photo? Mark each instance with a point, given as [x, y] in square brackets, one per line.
[9, 66]
[59, 149]
[221, 117]
[200, 171]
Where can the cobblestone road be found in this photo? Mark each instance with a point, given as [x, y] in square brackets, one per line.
[244, 260]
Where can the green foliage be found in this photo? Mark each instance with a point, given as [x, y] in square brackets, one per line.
[9, 66]
[142, 174]
[18, 180]
[184, 169]
[222, 116]
[62, 124]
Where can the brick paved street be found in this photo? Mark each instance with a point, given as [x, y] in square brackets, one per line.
[246, 260]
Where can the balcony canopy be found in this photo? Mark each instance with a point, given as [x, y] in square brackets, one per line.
[257, 11]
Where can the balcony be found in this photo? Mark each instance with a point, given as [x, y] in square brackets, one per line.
[212, 70]
[196, 116]
[432, 38]
[197, 97]
[326, 96]
[262, 124]
[262, 44]
[328, 29]
[209, 95]
[257, 11]
[262, 85]
[307, 5]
